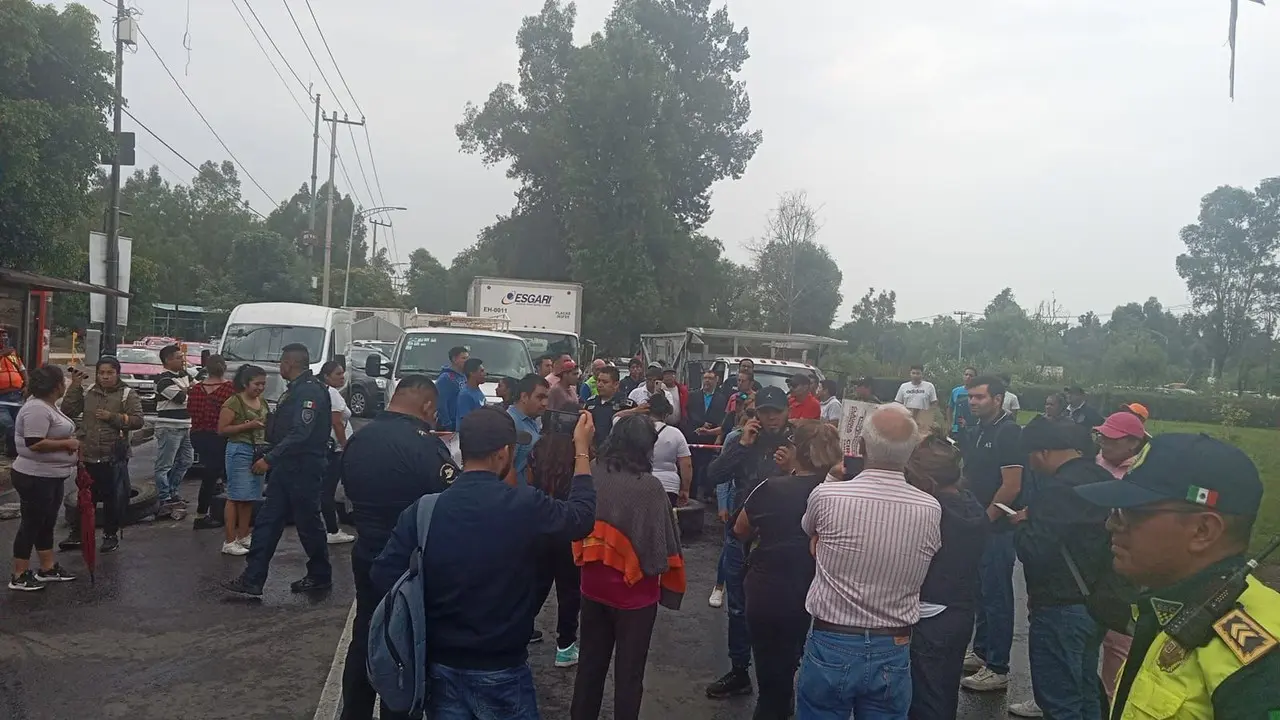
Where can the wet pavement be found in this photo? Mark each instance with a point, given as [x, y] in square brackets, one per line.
[155, 638]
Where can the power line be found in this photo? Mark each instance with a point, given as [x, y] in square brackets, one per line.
[374, 164]
[360, 162]
[307, 45]
[333, 60]
[203, 119]
[270, 39]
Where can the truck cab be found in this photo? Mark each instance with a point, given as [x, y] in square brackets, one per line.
[425, 351]
[769, 372]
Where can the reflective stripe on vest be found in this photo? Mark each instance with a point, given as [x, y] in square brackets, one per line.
[1186, 691]
[10, 376]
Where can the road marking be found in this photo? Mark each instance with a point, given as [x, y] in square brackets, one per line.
[330, 704]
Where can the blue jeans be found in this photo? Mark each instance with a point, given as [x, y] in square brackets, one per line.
[1063, 644]
[482, 694]
[7, 414]
[174, 457]
[733, 563]
[293, 491]
[993, 633]
[864, 676]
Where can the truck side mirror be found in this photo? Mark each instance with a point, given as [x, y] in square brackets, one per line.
[373, 365]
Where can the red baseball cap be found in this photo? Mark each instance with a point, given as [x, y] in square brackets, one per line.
[567, 366]
[1122, 425]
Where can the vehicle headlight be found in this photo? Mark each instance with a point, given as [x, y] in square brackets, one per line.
[381, 383]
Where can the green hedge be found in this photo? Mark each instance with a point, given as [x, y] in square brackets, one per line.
[1181, 407]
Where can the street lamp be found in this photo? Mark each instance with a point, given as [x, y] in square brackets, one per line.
[351, 237]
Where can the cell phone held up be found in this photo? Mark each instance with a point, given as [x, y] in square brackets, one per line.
[559, 422]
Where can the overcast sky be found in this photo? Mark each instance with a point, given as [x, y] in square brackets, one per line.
[955, 148]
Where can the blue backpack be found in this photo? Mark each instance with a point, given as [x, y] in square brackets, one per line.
[397, 657]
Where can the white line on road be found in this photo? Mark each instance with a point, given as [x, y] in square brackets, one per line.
[330, 704]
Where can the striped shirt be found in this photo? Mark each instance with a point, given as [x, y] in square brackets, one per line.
[876, 537]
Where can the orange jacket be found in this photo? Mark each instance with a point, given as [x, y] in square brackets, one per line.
[10, 373]
[606, 544]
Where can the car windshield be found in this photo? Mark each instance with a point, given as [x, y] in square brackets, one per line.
[543, 343]
[773, 379]
[138, 355]
[263, 343]
[428, 352]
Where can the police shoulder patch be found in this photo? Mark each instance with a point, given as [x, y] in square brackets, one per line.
[310, 405]
[447, 473]
[308, 415]
[1246, 638]
[1165, 610]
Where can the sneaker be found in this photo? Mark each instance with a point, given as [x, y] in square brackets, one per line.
[567, 657]
[26, 582]
[72, 542]
[54, 574]
[973, 663]
[110, 543]
[735, 682]
[177, 499]
[245, 542]
[242, 588]
[717, 597]
[985, 681]
[206, 522]
[1028, 709]
[234, 548]
[536, 637]
[340, 538]
[310, 584]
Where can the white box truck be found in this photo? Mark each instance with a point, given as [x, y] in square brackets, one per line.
[548, 315]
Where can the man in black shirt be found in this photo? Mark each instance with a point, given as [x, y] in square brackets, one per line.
[387, 466]
[1079, 409]
[634, 380]
[606, 403]
[993, 465]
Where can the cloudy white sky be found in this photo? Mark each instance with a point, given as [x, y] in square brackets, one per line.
[955, 148]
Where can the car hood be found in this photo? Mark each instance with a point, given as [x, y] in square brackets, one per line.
[140, 369]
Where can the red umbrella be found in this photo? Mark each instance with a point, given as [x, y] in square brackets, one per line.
[84, 499]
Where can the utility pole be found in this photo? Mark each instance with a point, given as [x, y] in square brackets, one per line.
[110, 325]
[315, 158]
[962, 315]
[374, 222]
[328, 227]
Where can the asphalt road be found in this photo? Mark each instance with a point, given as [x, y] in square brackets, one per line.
[154, 638]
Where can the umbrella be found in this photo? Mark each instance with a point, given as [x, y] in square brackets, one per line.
[85, 501]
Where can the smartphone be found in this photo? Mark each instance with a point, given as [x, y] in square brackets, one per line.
[1007, 510]
[558, 422]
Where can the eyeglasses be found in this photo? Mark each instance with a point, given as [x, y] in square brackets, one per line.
[1134, 516]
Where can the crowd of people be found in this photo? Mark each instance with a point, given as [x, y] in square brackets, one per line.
[877, 586]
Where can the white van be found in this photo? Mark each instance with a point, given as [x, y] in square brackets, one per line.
[425, 351]
[257, 332]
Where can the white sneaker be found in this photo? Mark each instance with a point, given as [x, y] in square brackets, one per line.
[973, 663]
[245, 541]
[1028, 709]
[340, 538]
[717, 597]
[985, 681]
[234, 548]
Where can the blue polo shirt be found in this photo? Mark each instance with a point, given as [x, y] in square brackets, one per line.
[534, 428]
[469, 399]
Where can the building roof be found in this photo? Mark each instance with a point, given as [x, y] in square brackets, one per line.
[181, 308]
[34, 281]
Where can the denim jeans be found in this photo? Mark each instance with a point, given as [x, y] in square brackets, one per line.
[482, 694]
[174, 456]
[1063, 646]
[864, 676]
[993, 633]
[733, 562]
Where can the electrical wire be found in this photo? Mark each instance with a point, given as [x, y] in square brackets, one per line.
[307, 45]
[333, 60]
[360, 162]
[270, 39]
[203, 119]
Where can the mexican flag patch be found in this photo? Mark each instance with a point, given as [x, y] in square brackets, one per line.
[307, 404]
[1202, 496]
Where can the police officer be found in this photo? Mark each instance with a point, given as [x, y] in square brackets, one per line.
[748, 458]
[386, 467]
[1180, 525]
[607, 402]
[295, 466]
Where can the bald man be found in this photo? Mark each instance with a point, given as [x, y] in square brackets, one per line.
[596, 366]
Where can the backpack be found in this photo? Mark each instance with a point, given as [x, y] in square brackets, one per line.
[397, 655]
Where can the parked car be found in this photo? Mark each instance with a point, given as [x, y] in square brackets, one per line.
[138, 367]
[365, 395]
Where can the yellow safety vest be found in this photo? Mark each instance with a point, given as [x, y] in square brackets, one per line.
[1185, 691]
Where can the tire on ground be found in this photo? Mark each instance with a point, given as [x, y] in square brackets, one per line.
[143, 501]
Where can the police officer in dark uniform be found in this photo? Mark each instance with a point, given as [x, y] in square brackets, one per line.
[298, 436]
[386, 467]
[607, 402]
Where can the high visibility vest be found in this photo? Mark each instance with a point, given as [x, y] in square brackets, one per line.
[10, 373]
[1185, 691]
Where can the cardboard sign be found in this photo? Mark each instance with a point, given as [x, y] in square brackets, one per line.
[855, 417]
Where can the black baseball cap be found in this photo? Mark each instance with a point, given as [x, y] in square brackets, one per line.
[1045, 434]
[1194, 468]
[771, 397]
[487, 430]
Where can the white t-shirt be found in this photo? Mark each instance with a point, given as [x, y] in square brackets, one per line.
[640, 395]
[1011, 402]
[833, 409]
[337, 404]
[670, 446]
[38, 419]
[673, 394]
[917, 397]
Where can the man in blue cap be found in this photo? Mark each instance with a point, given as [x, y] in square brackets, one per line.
[1180, 524]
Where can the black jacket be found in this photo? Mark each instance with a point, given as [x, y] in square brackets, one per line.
[300, 426]
[697, 414]
[747, 466]
[1058, 518]
[1087, 415]
[953, 573]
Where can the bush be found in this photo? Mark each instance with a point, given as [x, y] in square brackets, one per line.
[1181, 407]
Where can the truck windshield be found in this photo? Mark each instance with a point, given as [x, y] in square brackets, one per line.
[544, 343]
[427, 352]
[263, 343]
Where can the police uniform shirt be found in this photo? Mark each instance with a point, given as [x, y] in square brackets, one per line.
[602, 412]
[387, 466]
[300, 427]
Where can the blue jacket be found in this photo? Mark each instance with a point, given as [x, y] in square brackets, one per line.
[300, 426]
[448, 385]
[479, 563]
[469, 399]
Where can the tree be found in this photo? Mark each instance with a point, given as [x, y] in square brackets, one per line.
[1230, 265]
[871, 320]
[428, 282]
[798, 277]
[54, 91]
